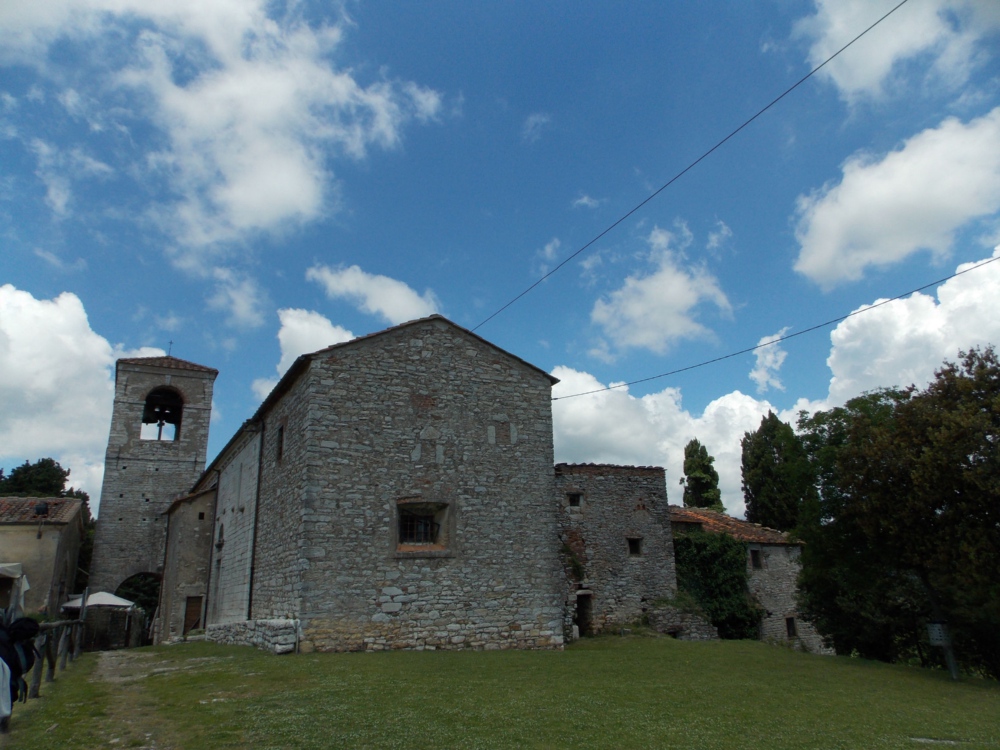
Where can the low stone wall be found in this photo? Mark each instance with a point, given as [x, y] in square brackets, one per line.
[276, 636]
[682, 625]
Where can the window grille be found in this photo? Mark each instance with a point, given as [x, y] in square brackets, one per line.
[417, 528]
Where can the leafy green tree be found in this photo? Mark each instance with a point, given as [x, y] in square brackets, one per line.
[701, 480]
[713, 569]
[854, 593]
[44, 478]
[925, 488]
[777, 476]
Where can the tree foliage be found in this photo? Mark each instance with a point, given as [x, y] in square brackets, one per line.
[713, 569]
[701, 480]
[777, 476]
[907, 525]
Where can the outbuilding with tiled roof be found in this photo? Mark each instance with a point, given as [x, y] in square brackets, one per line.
[43, 535]
[773, 567]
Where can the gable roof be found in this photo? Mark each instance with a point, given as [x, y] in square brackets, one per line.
[167, 361]
[14, 510]
[302, 362]
[720, 523]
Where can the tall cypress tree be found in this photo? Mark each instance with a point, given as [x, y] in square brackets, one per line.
[777, 477]
[701, 480]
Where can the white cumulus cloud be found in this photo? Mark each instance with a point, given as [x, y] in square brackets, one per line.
[949, 34]
[656, 309]
[247, 98]
[770, 358]
[914, 198]
[618, 428]
[390, 299]
[301, 332]
[56, 385]
[904, 341]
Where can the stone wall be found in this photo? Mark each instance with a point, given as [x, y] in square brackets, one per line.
[684, 626]
[423, 416]
[615, 524]
[142, 477]
[774, 585]
[278, 636]
[233, 531]
[186, 570]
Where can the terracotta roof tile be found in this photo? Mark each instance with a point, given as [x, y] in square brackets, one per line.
[22, 509]
[172, 362]
[720, 523]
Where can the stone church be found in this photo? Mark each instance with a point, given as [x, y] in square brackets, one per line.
[394, 491]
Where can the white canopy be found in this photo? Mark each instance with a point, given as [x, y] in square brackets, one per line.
[10, 570]
[99, 599]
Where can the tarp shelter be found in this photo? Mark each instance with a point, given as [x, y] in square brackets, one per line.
[13, 585]
[110, 622]
[99, 599]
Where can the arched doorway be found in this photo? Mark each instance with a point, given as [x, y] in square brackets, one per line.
[143, 589]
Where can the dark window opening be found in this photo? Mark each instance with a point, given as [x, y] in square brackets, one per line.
[222, 539]
[755, 561]
[421, 526]
[161, 415]
[790, 627]
[280, 449]
[575, 498]
[418, 527]
[635, 546]
[201, 516]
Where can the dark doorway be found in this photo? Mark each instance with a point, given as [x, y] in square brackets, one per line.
[584, 613]
[192, 614]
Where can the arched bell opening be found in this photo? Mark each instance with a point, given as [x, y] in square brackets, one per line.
[161, 415]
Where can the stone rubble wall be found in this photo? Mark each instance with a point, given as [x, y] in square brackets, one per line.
[618, 503]
[425, 413]
[775, 585]
[684, 626]
[278, 636]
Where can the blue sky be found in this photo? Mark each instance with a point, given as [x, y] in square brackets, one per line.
[254, 180]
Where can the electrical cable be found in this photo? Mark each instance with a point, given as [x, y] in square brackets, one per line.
[693, 164]
[781, 338]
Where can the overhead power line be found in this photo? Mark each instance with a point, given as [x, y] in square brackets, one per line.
[780, 338]
[693, 164]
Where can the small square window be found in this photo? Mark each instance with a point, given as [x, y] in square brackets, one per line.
[574, 498]
[201, 516]
[635, 546]
[790, 627]
[422, 528]
[755, 561]
[418, 527]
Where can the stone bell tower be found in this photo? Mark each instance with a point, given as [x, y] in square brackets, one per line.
[156, 451]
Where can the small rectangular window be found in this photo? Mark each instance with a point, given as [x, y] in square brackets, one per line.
[280, 448]
[418, 527]
[422, 527]
[635, 546]
[201, 516]
[790, 627]
[575, 498]
[755, 561]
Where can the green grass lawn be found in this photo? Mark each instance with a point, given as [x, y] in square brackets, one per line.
[599, 693]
